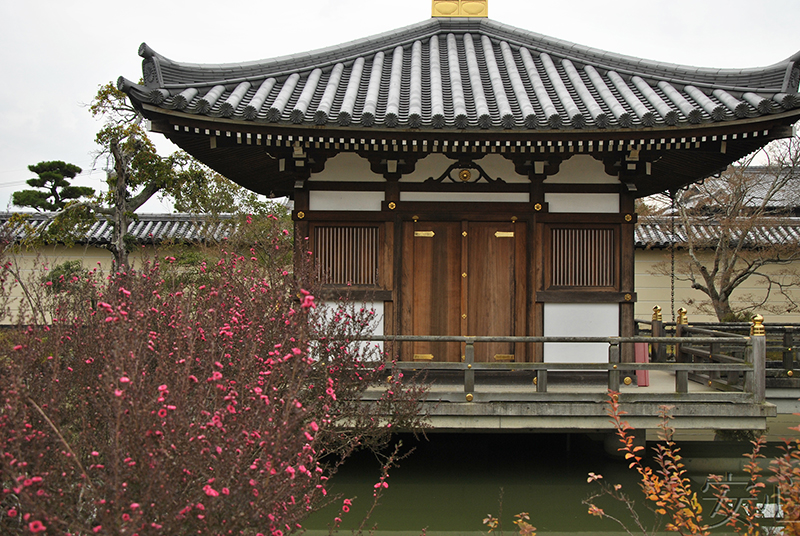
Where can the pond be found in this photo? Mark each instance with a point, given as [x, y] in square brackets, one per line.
[452, 481]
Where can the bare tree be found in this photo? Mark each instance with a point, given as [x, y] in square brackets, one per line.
[729, 227]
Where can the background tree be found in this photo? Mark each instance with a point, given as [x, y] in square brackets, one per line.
[136, 172]
[719, 223]
[55, 190]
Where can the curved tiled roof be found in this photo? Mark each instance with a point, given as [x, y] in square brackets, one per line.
[652, 232]
[658, 232]
[465, 74]
[145, 229]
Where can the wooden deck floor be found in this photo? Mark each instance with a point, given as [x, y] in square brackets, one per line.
[577, 402]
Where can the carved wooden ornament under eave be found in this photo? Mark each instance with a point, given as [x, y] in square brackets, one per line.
[460, 8]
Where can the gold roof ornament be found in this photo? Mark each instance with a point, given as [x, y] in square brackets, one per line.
[460, 8]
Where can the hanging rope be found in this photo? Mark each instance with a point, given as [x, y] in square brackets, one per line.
[672, 255]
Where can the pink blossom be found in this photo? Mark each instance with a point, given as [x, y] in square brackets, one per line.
[36, 526]
[124, 379]
[308, 302]
[211, 492]
[17, 348]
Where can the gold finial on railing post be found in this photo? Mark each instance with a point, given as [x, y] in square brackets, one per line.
[757, 328]
[657, 314]
[682, 318]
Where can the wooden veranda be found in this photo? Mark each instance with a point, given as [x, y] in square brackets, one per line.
[711, 381]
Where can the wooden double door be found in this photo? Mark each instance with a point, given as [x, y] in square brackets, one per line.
[463, 278]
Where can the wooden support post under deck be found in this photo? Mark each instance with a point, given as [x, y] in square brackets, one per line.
[541, 381]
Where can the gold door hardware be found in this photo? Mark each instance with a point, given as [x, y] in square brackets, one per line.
[469, 397]
[628, 380]
[424, 234]
[464, 316]
[504, 234]
[506, 358]
[464, 234]
[423, 357]
[465, 175]
[464, 274]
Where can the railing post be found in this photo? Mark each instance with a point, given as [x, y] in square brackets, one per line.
[681, 376]
[755, 381]
[657, 330]
[680, 324]
[788, 349]
[613, 359]
[469, 372]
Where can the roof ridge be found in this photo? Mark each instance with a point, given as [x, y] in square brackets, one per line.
[327, 57]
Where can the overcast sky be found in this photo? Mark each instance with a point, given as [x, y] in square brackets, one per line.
[56, 53]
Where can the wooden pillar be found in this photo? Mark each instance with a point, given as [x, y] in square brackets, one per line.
[627, 325]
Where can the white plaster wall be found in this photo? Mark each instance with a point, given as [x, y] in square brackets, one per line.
[582, 203]
[579, 320]
[378, 326]
[581, 169]
[350, 201]
[346, 167]
[472, 197]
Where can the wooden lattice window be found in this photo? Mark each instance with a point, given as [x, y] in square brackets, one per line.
[348, 255]
[582, 257]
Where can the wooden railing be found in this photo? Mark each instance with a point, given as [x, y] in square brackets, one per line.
[750, 368]
[782, 341]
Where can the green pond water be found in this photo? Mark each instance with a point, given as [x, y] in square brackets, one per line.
[452, 481]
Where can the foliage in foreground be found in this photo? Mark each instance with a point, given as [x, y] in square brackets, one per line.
[153, 404]
[666, 487]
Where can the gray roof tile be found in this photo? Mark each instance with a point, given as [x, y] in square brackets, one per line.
[485, 75]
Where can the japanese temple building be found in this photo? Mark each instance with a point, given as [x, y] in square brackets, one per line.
[469, 177]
